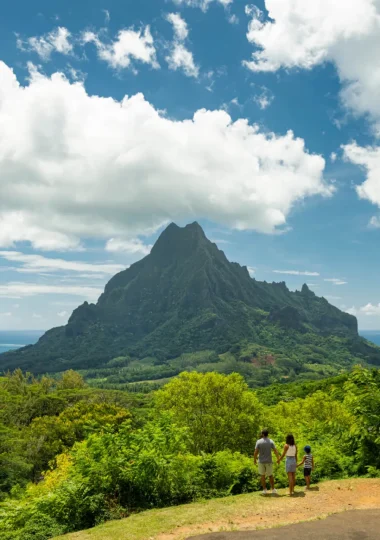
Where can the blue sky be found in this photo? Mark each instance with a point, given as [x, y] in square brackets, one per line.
[117, 117]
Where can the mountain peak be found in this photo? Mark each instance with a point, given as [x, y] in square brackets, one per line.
[177, 241]
[186, 297]
[194, 227]
[306, 291]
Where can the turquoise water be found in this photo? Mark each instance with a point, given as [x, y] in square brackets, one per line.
[14, 339]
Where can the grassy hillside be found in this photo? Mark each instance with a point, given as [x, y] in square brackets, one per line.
[241, 512]
[282, 356]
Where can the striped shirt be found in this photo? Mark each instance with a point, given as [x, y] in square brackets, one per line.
[308, 461]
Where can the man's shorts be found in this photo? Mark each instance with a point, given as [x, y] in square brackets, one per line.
[307, 471]
[266, 469]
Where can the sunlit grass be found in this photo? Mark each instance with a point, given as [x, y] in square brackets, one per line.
[200, 517]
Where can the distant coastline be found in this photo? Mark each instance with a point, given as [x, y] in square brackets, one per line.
[371, 335]
[14, 339]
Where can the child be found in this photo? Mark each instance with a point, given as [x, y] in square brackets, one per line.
[308, 465]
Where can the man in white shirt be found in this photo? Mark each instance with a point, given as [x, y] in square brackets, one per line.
[263, 451]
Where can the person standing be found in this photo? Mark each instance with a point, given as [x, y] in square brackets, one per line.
[308, 465]
[263, 452]
[290, 451]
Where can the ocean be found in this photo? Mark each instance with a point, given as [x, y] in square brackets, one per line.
[14, 339]
[371, 335]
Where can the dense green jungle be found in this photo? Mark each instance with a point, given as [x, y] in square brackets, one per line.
[72, 456]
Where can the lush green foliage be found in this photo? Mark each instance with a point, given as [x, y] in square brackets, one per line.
[219, 412]
[284, 355]
[196, 442]
[39, 419]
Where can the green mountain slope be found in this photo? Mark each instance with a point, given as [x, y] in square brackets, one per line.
[184, 297]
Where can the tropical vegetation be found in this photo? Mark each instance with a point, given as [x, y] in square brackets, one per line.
[72, 456]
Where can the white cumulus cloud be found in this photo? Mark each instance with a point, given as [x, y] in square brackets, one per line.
[179, 56]
[20, 226]
[81, 166]
[368, 310]
[179, 25]
[369, 159]
[58, 40]
[133, 246]
[371, 310]
[300, 34]
[130, 45]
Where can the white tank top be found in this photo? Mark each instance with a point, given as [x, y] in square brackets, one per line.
[291, 451]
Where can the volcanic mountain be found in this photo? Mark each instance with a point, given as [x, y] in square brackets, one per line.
[185, 296]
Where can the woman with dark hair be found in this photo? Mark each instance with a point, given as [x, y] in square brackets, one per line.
[290, 451]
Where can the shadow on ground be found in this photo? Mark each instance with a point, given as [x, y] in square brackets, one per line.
[278, 496]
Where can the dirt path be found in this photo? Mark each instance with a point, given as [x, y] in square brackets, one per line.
[356, 524]
[328, 498]
[250, 512]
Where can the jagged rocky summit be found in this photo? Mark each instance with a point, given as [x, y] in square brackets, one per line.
[184, 296]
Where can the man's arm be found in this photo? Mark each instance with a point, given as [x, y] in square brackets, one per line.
[255, 455]
[275, 451]
[280, 458]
